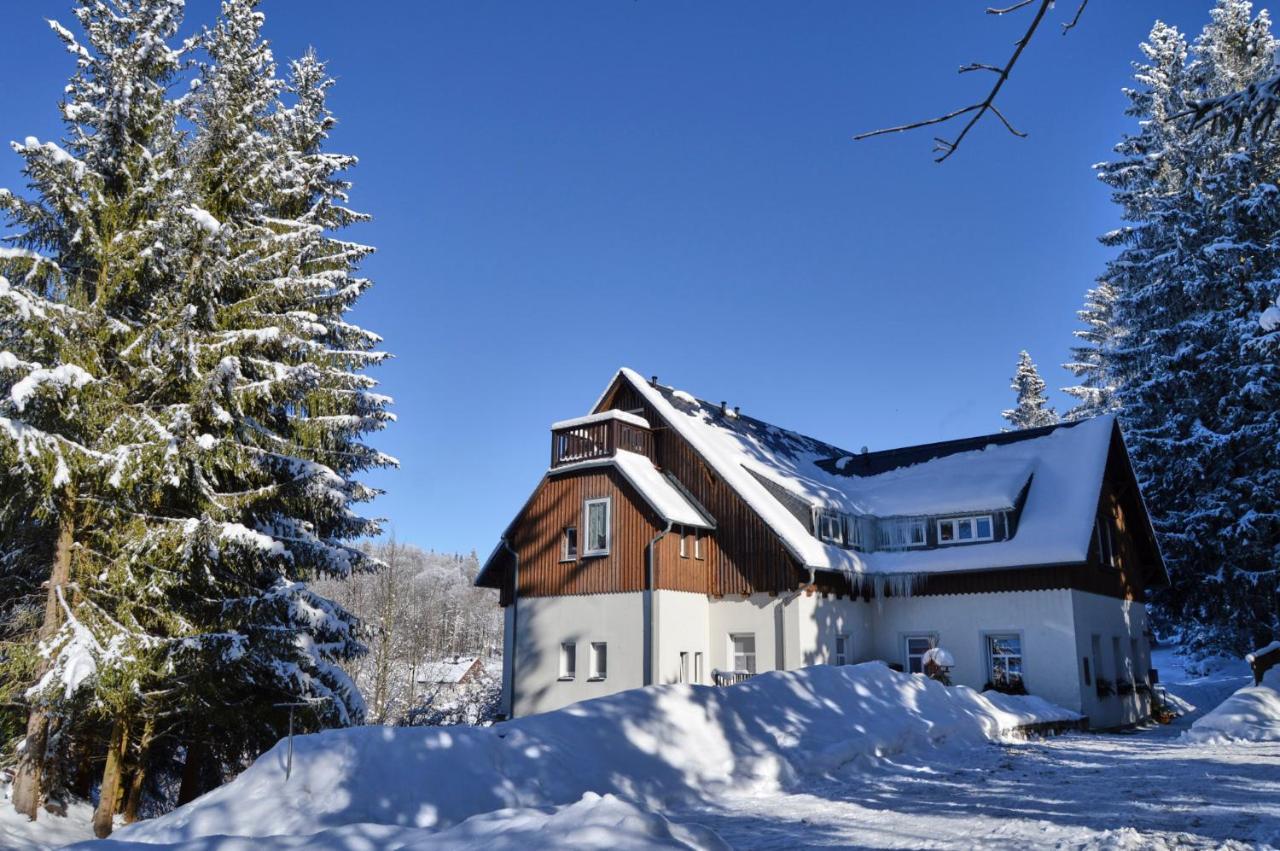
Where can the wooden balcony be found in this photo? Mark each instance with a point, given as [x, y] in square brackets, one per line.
[599, 436]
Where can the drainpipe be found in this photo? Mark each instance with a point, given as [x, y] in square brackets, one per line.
[650, 608]
[515, 616]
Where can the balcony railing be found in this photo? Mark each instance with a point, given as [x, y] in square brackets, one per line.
[600, 439]
[730, 678]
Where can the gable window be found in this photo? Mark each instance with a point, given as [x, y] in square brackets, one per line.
[697, 543]
[1104, 533]
[917, 646]
[1004, 655]
[599, 660]
[842, 650]
[743, 645]
[569, 552]
[597, 522]
[568, 660]
[960, 530]
[831, 528]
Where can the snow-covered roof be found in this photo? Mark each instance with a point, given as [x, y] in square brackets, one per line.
[657, 489]
[446, 671]
[610, 414]
[1064, 465]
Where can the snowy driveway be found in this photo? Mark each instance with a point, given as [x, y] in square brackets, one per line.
[1113, 791]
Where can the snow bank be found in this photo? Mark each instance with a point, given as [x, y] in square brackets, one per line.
[659, 748]
[1252, 714]
[594, 822]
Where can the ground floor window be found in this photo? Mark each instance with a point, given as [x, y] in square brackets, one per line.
[599, 660]
[917, 645]
[1004, 655]
[568, 660]
[697, 667]
[842, 650]
[744, 652]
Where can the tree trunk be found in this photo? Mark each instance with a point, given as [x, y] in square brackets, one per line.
[31, 779]
[109, 792]
[138, 781]
[192, 772]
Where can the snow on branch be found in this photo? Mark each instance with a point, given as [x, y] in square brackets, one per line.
[975, 111]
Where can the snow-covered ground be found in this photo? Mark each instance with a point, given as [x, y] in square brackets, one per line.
[826, 757]
[19, 834]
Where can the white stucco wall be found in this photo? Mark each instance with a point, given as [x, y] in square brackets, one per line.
[820, 621]
[795, 630]
[682, 626]
[1109, 618]
[547, 622]
[1043, 619]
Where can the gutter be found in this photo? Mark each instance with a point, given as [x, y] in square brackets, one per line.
[515, 615]
[650, 608]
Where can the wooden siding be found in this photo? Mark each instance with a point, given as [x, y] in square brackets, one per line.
[537, 537]
[746, 556]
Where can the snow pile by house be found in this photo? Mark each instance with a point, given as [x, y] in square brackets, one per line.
[594, 822]
[660, 749]
[1252, 714]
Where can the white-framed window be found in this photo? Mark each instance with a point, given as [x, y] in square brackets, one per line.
[900, 532]
[684, 667]
[569, 548]
[964, 530]
[830, 528]
[743, 647]
[599, 660]
[697, 666]
[842, 650]
[697, 544]
[568, 660]
[597, 521]
[915, 647]
[684, 542]
[1004, 660]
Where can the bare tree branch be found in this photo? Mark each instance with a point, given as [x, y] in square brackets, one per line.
[1015, 7]
[1068, 27]
[945, 147]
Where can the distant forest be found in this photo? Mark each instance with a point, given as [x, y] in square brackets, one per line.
[422, 609]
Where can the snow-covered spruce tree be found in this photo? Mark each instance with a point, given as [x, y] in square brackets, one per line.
[192, 426]
[76, 282]
[278, 401]
[1096, 391]
[1033, 408]
[1196, 376]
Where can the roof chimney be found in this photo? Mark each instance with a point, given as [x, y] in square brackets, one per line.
[736, 410]
[724, 408]
[653, 380]
[864, 450]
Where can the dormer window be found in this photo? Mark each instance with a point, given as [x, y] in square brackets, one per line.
[901, 532]
[831, 528]
[966, 530]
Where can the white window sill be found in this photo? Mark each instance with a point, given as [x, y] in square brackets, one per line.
[595, 554]
[565, 679]
[595, 679]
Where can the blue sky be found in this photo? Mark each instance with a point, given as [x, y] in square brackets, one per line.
[563, 188]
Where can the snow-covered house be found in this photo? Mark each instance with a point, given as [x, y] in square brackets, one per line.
[678, 540]
[450, 674]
